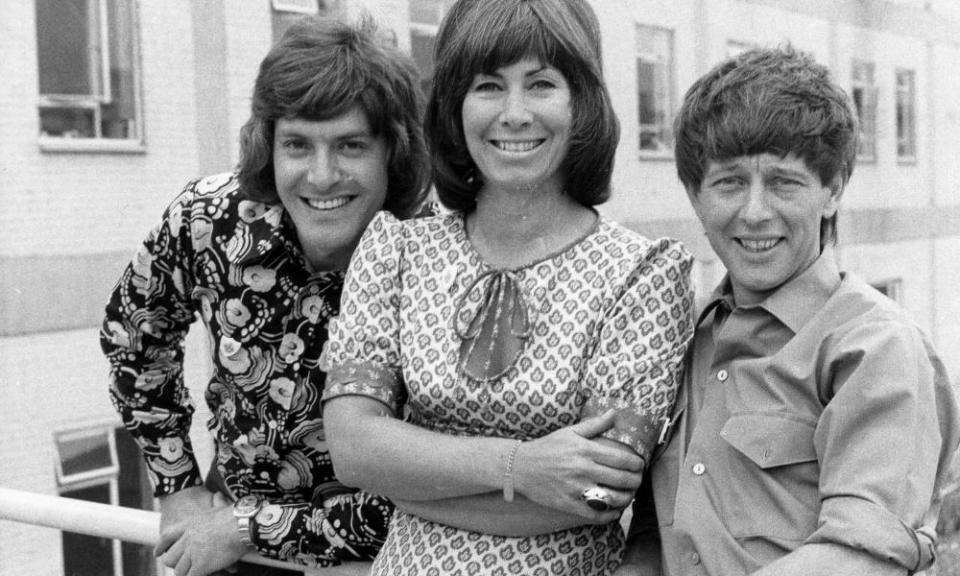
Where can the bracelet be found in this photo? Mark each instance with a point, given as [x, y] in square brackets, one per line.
[508, 473]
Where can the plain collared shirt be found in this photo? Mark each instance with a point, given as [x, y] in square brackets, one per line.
[820, 415]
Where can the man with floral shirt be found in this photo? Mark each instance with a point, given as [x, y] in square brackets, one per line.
[259, 255]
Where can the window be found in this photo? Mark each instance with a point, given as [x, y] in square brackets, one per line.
[864, 94]
[654, 88]
[906, 116]
[736, 47]
[286, 12]
[103, 465]
[425, 17]
[88, 69]
[892, 288]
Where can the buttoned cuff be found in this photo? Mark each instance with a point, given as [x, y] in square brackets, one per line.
[863, 525]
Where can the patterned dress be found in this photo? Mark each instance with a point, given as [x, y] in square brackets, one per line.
[607, 320]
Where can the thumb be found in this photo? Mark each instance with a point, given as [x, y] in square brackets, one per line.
[595, 425]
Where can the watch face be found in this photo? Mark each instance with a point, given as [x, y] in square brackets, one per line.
[247, 506]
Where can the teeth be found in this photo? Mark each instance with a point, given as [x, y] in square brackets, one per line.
[758, 245]
[512, 146]
[331, 204]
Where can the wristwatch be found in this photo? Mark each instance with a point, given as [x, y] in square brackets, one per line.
[243, 510]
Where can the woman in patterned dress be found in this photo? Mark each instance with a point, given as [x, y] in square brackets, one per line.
[493, 365]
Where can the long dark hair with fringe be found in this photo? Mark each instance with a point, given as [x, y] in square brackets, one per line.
[320, 69]
[480, 36]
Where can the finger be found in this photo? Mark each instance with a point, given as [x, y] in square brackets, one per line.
[167, 539]
[183, 566]
[595, 425]
[617, 479]
[620, 499]
[618, 458]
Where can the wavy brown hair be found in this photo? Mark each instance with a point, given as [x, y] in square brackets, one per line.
[322, 68]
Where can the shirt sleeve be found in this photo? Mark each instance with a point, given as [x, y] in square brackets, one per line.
[636, 366]
[885, 441]
[147, 318]
[341, 524]
[363, 351]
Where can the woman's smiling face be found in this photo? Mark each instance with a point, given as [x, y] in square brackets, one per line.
[517, 123]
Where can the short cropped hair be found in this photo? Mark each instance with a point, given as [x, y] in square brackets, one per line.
[480, 36]
[320, 69]
[773, 101]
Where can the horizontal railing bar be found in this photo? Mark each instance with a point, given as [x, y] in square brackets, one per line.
[121, 523]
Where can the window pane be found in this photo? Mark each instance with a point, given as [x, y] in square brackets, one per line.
[906, 143]
[864, 95]
[654, 98]
[68, 47]
[84, 452]
[426, 11]
[119, 112]
[421, 49]
[88, 555]
[68, 122]
[87, 69]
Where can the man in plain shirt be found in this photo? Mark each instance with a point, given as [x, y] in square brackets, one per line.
[816, 423]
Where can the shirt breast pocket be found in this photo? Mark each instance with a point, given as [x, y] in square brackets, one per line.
[773, 487]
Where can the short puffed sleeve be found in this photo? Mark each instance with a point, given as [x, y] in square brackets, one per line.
[635, 368]
[363, 350]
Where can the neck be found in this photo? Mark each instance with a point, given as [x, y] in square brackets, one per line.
[515, 227]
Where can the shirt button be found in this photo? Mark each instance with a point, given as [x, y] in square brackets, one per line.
[699, 469]
[722, 375]
[695, 558]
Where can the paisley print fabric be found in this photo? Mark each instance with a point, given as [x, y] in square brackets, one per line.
[237, 265]
[609, 322]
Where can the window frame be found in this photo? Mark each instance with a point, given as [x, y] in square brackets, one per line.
[666, 150]
[94, 102]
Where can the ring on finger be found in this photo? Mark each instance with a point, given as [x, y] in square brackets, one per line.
[597, 497]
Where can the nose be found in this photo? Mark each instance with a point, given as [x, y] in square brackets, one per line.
[755, 208]
[324, 170]
[515, 111]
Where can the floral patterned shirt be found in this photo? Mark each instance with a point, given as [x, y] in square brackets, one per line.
[237, 263]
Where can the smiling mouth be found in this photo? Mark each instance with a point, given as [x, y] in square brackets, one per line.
[328, 204]
[758, 245]
[516, 145]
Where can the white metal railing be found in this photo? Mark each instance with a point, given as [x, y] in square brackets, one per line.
[121, 523]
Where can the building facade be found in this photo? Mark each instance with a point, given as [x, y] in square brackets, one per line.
[108, 107]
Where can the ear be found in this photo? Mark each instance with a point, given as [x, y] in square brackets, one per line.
[835, 189]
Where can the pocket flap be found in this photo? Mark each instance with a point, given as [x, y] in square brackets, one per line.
[770, 440]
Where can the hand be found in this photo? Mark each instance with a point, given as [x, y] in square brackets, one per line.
[202, 542]
[555, 469]
[182, 505]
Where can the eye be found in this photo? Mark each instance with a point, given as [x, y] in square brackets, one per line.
[725, 183]
[294, 145]
[484, 83]
[543, 84]
[353, 147]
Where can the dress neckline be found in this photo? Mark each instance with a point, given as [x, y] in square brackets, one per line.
[461, 221]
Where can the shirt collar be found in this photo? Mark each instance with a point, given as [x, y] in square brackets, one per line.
[794, 303]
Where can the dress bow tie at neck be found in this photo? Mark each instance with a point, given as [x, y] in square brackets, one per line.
[494, 335]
